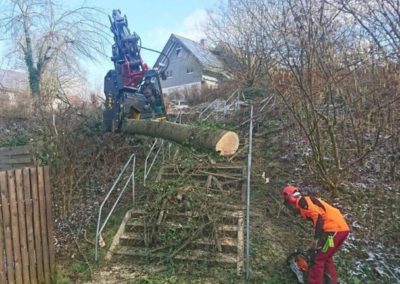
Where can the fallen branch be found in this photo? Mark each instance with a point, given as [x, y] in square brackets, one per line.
[80, 251]
[220, 175]
[189, 240]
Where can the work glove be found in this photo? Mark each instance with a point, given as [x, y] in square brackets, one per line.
[328, 243]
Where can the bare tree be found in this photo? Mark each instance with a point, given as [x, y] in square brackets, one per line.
[315, 56]
[43, 35]
[240, 41]
[380, 20]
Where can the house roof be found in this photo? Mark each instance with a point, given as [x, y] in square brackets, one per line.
[13, 80]
[206, 58]
[204, 55]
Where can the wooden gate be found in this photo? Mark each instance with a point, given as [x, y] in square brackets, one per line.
[16, 157]
[26, 230]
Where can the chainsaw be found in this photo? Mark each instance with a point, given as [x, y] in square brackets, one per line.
[299, 263]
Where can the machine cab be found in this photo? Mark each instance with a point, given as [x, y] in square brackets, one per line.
[151, 89]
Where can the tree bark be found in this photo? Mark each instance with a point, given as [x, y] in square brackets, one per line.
[224, 142]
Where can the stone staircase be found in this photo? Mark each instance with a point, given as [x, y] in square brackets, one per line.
[220, 244]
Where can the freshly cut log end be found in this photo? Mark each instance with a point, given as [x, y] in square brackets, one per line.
[222, 141]
[227, 144]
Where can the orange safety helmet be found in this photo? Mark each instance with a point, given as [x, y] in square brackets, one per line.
[290, 194]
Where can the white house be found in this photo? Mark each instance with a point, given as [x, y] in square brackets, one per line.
[191, 65]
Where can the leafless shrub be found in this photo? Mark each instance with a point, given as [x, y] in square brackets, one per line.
[332, 81]
[240, 42]
[208, 94]
[15, 104]
[44, 35]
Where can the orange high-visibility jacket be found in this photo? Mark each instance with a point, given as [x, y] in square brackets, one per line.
[314, 208]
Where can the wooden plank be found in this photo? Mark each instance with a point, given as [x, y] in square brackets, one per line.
[240, 244]
[159, 175]
[223, 241]
[29, 226]
[7, 227]
[14, 156]
[3, 277]
[36, 227]
[119, 233]
[10, 166]
[13, 166]
[22, 226]
[20, 160]
[200, 255]
[15, 150]
[15, 227]
[209, 180]
[240, 235]
[49, 217]
[43, 224]
[192, 255]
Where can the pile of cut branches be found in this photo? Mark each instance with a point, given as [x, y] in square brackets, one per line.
[184, 209]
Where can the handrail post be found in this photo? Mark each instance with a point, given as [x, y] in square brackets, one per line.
[96, 244]
[147, 171]
[211, 104]
[147, 158]
[133, 181]
[100, 229]
[249, 158]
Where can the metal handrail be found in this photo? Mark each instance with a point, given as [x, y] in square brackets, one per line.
[204, 110]
[227, 102]
[131, 177]
[147, 171]
[234, 98]
[249, 160]
[178, 118]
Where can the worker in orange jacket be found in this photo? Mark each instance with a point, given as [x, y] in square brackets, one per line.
[330, 232]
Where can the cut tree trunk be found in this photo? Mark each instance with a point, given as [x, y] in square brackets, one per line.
[223, 142]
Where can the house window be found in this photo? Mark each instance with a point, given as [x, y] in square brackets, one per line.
[179, 51]
[189, 70]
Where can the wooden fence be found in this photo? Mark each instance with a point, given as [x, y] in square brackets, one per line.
[16, 157]
[26, 230]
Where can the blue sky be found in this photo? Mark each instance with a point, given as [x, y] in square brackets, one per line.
[153, 21]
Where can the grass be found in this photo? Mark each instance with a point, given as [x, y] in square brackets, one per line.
[61, 276]
[17, 139]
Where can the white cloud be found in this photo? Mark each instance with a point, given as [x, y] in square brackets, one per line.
[191, 27]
